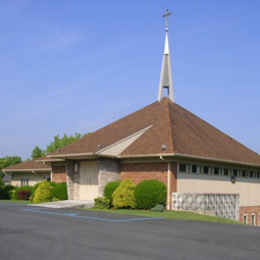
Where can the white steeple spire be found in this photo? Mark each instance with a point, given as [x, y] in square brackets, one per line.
[166, 72]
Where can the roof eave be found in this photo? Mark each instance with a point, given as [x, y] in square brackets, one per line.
[72, 156]
[187, 156]
[26, 170]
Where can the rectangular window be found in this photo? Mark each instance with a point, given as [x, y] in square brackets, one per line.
[251, 174]
[226, 171]
[195, 169]
[245, 219]
[24, 182]
[235, 172]
[183, 167]
[206, 169]
[216, 170]
[258, 175]
[253, 219]
[244, 173]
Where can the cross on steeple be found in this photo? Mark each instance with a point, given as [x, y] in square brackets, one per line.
[166, 15]
[166, 73]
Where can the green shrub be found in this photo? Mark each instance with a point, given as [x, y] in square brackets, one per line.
[3, 195]
[43, 192]
[22, 188]
[5, 190]
[123, 196]
[59, 191]
[109, 189]
[149, 193]
[2, 184]
[12, 193]
[102, 203]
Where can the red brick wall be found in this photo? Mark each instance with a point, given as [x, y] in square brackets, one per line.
[249, 210]
[58, 174]
[138, 172]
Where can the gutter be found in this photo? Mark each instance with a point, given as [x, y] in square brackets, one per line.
[168, 182]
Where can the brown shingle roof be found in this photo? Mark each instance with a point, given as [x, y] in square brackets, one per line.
[28, 165]
[182, 132]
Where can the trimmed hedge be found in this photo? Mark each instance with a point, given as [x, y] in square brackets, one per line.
[149, 193]
[109, 189]
[123, 196]
[59, 192]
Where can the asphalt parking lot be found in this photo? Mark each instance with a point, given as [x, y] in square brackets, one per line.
[46, 233]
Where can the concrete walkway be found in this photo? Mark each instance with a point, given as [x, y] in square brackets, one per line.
[66, 204]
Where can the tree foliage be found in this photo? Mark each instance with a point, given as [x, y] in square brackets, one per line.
[37, 152]
[57, 143]
[8, 161]
[60, 142]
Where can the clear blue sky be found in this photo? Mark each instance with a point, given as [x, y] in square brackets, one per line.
[75, 66]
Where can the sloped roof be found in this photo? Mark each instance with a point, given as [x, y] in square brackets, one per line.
[28, 166]
[143, 133]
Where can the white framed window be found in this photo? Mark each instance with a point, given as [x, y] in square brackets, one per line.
[206, 169]
[217, 171]
[24, 182]
[183, 167]
[195, 168]
[253, 219]
[251, 174]
[244, 173]
[245, 219]
[226, 172]
[236, 172]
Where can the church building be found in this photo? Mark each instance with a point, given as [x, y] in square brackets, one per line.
[203, 168]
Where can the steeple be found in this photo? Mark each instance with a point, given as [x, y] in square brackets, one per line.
[166, 72]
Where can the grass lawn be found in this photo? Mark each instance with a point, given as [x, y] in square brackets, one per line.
[186, 215]
[18, 201]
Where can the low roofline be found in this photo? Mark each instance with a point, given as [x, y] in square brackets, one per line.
[26, 170]
[175, 155]
[48, 160]
[71, 156]
[188, 156]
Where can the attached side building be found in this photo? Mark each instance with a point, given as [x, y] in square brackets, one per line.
[33, 171]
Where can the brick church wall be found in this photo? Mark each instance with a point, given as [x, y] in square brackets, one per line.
[249, 211]
[59, 174]
[138, 172]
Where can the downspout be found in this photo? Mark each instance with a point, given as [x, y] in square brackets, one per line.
[168, 182]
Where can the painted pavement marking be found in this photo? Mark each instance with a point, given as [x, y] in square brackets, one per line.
[76, 215]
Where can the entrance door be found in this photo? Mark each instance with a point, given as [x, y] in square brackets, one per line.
[88, 180]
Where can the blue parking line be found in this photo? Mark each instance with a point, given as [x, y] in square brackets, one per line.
[75, 215]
